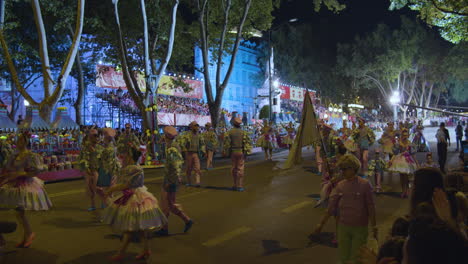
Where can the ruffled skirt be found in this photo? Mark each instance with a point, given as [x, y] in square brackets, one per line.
[140, 212]
[288, 140]
[350, 145]
[25, 192]
[403, 163]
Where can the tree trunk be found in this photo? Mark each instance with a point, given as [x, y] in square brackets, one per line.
[81, 91]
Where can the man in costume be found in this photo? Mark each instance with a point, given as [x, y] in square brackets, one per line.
[211, 141]
[172, 174]
[193, 146]
[128, 141]
[364, 137]
[237, 144]
[89, 163]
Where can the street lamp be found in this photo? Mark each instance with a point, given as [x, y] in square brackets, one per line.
[395, 100]
[119, 95]
[270, 70]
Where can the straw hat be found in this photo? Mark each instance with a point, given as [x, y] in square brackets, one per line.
[349, 161]
[109, 132]
[237, 121]
[193, 123]
[170, 132]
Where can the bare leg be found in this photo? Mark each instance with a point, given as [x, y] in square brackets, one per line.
[270, 151]
[125, 242]
[24, 222]
[404, 185]
[265, 150]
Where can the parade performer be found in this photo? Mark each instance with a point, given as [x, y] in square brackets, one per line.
[345, 137]
[89, 164]
[289, 138]
[172, 179]
[403, 162]
[267, 141]
[353, 201]
[109, 164]
[135, 210]
[237, 144]
[388, 140]
[376, 169]
[20, 188]
[5, 151]
[329, 142]
[211, 141]
[419, 140]
[193, 146]
[364, 137]
[128, 141]
[429, 162]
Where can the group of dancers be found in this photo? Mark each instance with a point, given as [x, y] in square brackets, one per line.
[112, 173]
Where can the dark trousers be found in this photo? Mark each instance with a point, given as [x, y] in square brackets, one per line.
[442, 154]
[459, 141]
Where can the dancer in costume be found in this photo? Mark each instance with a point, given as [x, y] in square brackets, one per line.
[211, 141]
[128, 141]
[364, 137]
[6, 151]
[329, 142]
[89, 164]
[267, 141]
[376, 169]
[237, 145]
[20, 188]
[134, 210]
[419, 140]
[345, 137]
[289, 138]
[172, 174]
[109, 164]
[388, 139]
[403, 162]
[193, 146]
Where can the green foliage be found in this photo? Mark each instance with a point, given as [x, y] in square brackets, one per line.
[450, 16]
[264, 112]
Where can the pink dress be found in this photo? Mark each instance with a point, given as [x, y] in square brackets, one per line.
[25, 192]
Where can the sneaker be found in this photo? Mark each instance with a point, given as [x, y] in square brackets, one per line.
[240, 189]
[91, 209]
[188, 225]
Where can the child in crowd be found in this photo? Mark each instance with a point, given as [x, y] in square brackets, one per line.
[376, 169]
[429, 162]
[354, 201]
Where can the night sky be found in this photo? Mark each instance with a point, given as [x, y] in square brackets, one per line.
[359, 17]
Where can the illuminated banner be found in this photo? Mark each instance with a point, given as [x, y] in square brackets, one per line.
[108, 77]
[284, 92]
[297, 94]
[167, 87]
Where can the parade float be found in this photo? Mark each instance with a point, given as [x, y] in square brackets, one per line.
[58, 144]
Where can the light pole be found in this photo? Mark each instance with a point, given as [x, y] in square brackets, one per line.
[395, 100]
[271, 83]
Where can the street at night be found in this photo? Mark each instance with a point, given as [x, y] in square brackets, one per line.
[271, 222]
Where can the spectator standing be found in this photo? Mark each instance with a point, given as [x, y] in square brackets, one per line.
[443, 138]
[459, 135]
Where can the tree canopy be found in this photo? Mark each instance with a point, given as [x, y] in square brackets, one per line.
[450, 16]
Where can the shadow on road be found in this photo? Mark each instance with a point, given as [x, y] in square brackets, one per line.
[28, 256]
[72, 223]
[271, 247]
[324, 239]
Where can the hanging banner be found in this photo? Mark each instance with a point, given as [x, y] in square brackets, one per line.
[167, 86]
[285, 92]
[108, 77]
[297, 94]
[166, 119]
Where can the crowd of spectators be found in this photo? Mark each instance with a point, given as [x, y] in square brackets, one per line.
[166, 103]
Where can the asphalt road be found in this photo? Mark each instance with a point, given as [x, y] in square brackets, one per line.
[268, 223]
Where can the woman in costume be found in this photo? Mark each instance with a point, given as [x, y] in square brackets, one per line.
[134, 210]
[364, 138]
[289, 138]
[388, 139]
[20, 188]
[109, 165]
[267, 141]
[345, 137]
[403, 162]
[419, 140]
